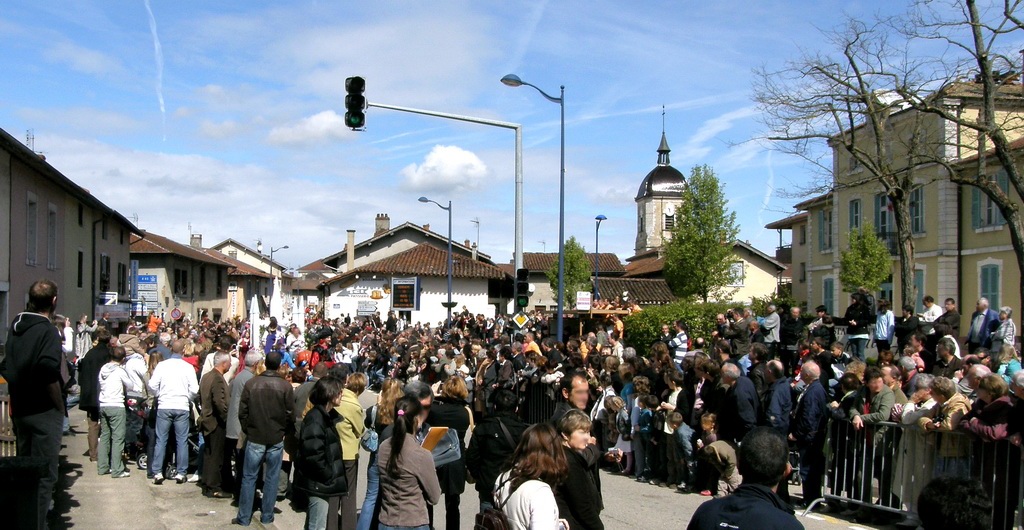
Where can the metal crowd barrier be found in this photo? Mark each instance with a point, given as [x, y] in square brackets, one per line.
[884, 466]
[536, 404]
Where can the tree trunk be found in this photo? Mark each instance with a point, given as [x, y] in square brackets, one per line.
[1016, 225]
[901, 215]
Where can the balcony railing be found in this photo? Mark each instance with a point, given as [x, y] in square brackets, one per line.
[890, 241]
[784, 254]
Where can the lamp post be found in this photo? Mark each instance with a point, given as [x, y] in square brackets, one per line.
[597, 254]
[513, 80]
[272, 251]
[448, 208]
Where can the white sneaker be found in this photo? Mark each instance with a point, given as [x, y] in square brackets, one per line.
[158, 478]
[179, 478]
[193, 477]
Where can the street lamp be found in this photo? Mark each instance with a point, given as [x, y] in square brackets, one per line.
[272, 251]
[597, 254]
[513, 80]
[448, 208]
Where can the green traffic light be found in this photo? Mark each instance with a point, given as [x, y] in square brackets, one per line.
[355, 120]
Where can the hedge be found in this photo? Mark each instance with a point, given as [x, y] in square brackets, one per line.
[644, 327]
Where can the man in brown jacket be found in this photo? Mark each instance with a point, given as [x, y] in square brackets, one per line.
[213, 396]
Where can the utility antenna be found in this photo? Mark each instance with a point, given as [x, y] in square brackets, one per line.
[663, 119]
[135, 218]
[30, 139]
[476, 221]
[544, 245]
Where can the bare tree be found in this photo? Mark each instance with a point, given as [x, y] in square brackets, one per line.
[980, 38]
[851, 98]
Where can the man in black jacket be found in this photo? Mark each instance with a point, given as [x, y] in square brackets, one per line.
[764, 463]
[493, 442]
[266, 412]
[36, 371]
[739, 409]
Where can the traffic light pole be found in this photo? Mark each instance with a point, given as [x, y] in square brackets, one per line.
[518, 252]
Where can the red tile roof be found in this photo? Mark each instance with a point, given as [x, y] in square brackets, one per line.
[645, 267]
[643, 291]
[539, 261]
[317, 265]
[156, 244]
[426, 260]
[237, 268]
[788, 222]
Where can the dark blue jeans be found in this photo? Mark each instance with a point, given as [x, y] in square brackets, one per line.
[164, 420]
[255, 456]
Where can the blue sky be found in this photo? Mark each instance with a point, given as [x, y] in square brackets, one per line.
[228, 118]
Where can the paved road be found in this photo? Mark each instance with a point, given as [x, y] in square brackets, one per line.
[90, 501]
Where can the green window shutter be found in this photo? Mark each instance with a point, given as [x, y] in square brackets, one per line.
[1004, 184]
[975, 208]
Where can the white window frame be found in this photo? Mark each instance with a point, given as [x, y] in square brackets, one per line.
[737, 279]
[917, 210]
[855, 211]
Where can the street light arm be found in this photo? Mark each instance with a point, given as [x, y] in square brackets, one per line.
[547, 96]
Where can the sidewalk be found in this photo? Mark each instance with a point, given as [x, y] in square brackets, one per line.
[87, 500]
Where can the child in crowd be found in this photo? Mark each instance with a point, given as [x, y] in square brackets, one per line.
[642, 440]
[706, 475]
[682, 467]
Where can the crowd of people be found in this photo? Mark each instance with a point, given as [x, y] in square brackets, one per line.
[262, 415]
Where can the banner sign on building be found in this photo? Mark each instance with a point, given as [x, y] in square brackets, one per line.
[583, 300]
[405, 294]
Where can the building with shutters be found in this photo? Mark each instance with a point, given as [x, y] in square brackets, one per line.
[961, 243]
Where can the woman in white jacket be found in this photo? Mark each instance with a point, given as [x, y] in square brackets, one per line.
[525, 493]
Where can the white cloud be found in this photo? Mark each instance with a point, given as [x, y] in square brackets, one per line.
[695, 148]
[320, 127]
[219, 130]
[81, 59]
[446, 167]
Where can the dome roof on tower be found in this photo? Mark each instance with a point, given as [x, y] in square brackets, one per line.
[664, 180]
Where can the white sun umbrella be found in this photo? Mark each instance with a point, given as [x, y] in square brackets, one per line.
[255, 322]
[277, 303]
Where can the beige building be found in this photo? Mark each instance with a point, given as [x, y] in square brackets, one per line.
[187, 278]
[962, 248]
[53, 228]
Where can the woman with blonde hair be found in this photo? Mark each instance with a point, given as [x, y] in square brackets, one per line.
[525, 492]
[1006, 362]
[377, 419]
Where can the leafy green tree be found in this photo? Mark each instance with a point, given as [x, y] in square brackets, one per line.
[577, 272]
[699, 257]
[866, 263]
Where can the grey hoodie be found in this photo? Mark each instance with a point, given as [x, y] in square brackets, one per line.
[114, 381]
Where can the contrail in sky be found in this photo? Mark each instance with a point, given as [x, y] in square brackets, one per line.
[769, 188]
[159, 53]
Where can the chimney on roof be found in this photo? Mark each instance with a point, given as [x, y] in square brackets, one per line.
[426, 227]
[474, 250]
[466, 244]
[196, 241]
[381, 224]
[350, 251]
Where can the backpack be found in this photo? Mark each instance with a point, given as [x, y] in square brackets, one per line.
[494, 518]
[623, 425]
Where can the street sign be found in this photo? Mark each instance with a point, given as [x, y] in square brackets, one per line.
[583, 300]
[405, 294]
[108, 298]
[520, 320]
[366, 308]
[176, 314]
